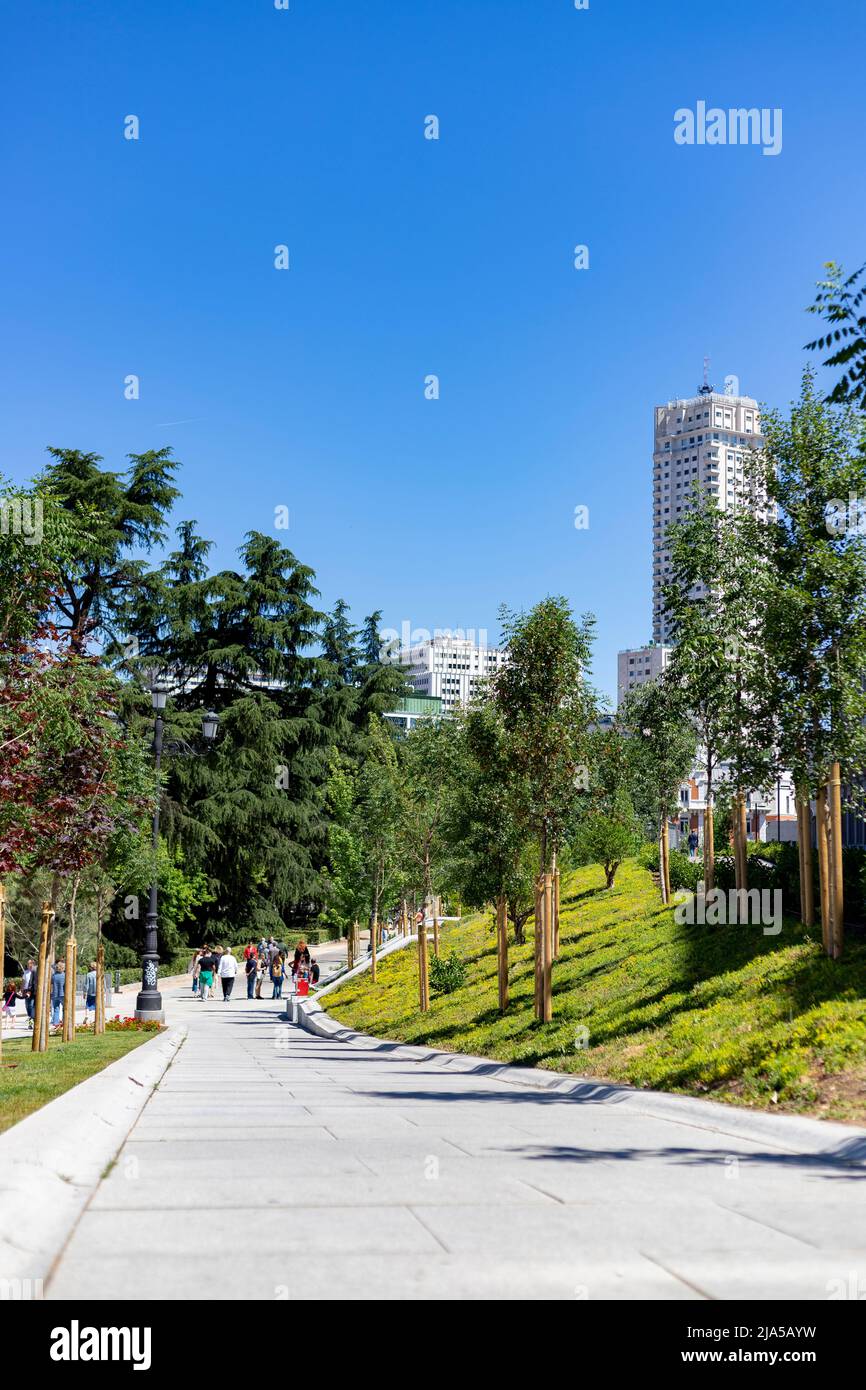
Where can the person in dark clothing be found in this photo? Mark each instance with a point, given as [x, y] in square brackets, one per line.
[251, 967]
[28, 989]
[314, 971]
[207, 968]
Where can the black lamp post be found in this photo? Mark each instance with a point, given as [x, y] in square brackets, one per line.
[148, 1005]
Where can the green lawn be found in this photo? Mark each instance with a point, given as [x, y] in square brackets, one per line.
[37, 1077]
[721, 1011]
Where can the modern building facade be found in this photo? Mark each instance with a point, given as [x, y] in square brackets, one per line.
[413, 709]
[451, 668]
[702, 440]
[637, 665]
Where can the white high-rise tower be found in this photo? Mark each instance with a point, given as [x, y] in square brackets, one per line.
[704, 439]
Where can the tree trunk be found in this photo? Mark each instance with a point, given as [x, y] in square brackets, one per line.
[744, 841]
[709, 848]
[99, 1014]
[502, 952]
[740, 862]
[804, 847]
[374, 928]
[838, 872]
[519, 920]
[824, 869]
[610, 874]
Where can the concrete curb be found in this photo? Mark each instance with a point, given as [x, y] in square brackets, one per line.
[793, 1134]
[52, 1161]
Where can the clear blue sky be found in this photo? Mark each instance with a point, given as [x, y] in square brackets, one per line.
[408, 257]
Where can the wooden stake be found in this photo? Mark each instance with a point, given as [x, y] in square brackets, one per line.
[68, 1032]
[423, 977]
[374, 941]
[556, 904]
[539, 946]
[838, 912]
[40, 1019]
[823, 869]
[2, 950]
[547, 987]
[99, 1015]
[709, 850]
[502, 951]
[664, 862]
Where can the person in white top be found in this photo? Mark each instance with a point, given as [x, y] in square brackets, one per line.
[228, 969]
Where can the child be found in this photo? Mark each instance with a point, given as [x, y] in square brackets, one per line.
[10, 997]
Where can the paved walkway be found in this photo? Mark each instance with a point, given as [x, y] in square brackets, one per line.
[270, 1164]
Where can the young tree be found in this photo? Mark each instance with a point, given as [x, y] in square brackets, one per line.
[815, 467]
[547, 706]
[488, 845]
[608, 830]
[661, 753]
[427, 758]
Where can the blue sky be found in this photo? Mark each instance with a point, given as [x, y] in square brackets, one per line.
[409, 257]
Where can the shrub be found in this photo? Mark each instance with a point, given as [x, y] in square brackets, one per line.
[447, 973]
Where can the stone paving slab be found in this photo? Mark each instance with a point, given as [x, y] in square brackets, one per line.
[271, 1164]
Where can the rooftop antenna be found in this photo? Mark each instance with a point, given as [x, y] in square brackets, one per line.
[706, 389]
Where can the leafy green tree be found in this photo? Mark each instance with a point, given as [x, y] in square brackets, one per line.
[661, 753]
[547, 707]
[815, 466]
[608, 830]
[486, 839]
[117, 515]
[427, 759]
[841, 300]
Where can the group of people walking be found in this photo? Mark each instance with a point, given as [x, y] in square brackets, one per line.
[265, 961]
[25, 989]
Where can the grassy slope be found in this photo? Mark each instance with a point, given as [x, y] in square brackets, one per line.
[38, 1077]
[726, 1011]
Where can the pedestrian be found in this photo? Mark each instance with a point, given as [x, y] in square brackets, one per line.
[58, 990]
[28, 989]
[11, 995]
[90, 993]
[196, 962]
[314, 971]
[277, 976]
[260, 975]
[251, 970]
[693, 843]
[207, 967]
[250, 950]
[228, 969]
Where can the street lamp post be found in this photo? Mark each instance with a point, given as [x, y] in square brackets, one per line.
[148, 1005]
